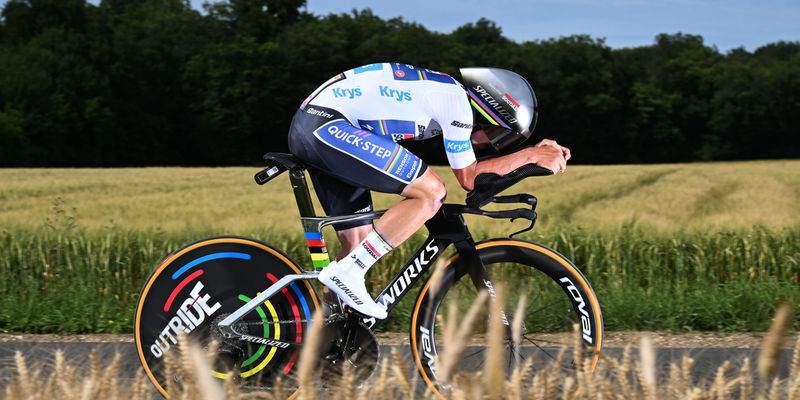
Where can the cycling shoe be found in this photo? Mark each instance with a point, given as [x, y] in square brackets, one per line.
[349, 286]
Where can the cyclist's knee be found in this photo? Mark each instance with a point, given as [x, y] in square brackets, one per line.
[438, 194]
[429, 188]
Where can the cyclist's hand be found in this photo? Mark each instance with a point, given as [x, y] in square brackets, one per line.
[550, 155]
[564, 150]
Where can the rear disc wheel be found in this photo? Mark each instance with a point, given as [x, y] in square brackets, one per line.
[205, 281]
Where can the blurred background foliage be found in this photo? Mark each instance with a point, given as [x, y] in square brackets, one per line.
[154, 82]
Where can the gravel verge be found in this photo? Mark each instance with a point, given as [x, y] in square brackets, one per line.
[612, 339]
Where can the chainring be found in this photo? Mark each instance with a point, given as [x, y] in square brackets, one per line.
[230, 352]
[347, 344]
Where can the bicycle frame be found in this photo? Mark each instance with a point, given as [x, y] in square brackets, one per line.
[445, 228]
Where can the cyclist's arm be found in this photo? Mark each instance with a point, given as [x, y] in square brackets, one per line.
[452, 112]
[547, 154]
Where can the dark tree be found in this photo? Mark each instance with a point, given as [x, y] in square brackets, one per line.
[154, 82]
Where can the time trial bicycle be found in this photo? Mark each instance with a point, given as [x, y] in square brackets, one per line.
[257, 303]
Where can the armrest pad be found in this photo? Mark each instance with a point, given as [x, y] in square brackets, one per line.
[487, 185]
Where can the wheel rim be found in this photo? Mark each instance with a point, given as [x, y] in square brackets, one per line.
[549, 295]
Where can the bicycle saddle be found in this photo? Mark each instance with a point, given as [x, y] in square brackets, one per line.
[277, 163]
[289, 161]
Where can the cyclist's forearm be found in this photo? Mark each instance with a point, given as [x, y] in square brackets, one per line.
[466, 176]
[504, 164]
[501, 166]
[550, 157]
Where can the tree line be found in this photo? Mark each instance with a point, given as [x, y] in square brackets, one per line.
[154, 82]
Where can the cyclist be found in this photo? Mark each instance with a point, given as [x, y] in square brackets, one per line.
[350, 129]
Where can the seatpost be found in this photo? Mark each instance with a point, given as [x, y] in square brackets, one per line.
[298, 178]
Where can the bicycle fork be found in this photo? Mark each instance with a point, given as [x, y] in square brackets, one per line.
[479, 274]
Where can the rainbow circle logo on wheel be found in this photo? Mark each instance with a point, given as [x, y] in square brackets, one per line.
[200, 284]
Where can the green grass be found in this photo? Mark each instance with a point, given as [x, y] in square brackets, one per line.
[67, 279]
[728, 280]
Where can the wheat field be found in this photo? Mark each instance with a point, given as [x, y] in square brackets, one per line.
[664, 197]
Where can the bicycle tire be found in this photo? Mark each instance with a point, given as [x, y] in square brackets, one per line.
[206, 280]
[543, 274]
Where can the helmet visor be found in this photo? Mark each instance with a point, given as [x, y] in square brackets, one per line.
[500, 139]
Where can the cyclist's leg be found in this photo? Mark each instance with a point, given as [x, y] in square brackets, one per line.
[349, 159]
[423, 198]
[341, 198]
[350, 238]
[343, 153]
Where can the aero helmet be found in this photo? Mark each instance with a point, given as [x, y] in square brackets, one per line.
[507, 103]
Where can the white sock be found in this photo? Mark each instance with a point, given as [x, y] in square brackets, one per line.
[368, 252]
[346, 276]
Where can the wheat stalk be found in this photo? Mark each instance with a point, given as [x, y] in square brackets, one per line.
[457, 343]
[515, 385]
[539, 386]
[141, 386]
[695, 394]
[308, 358]
[794, 369]
[674, 383]
[568, 389]
[52, 381]
[494, 366]
[108, 382]
[400, 372]
[686, 366]
[621, 370]
[590, 385]
[775, 392]
[171, 369]
[718, 387]
[794, 387]
[770, 355]
[550, 382]
[207, 385]
[746, 380]
[577, 346]
[516, 327]
[436, 278]
[380, 387]
[554, 375]
[647, 369]
[609, 391]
